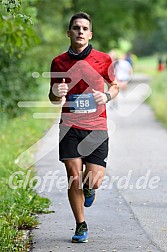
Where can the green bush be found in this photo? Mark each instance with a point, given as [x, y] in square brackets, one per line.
[16, 84]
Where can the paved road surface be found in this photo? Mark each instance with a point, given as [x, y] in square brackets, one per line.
[130, 212]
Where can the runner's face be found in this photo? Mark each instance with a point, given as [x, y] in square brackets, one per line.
[80, 33]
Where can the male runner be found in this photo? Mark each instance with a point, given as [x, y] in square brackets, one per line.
[78, 79]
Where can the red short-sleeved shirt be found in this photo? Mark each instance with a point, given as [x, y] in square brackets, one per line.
[82, 76]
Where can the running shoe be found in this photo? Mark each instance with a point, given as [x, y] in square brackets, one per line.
[81, 235]
[89, 196]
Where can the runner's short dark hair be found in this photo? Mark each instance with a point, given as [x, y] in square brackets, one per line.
[83, 15]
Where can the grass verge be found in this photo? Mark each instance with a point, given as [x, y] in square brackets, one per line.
[18, 207]
[158, 98]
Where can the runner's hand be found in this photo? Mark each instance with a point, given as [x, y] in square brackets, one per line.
[99, 97]
[62, 89]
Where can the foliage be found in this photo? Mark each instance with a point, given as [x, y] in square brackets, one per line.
[155, 41]
[16, 84]
[16, 29]
[119, 19]
[16, 37]
[112, 20]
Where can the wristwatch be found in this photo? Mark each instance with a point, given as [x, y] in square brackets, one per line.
[108, 96]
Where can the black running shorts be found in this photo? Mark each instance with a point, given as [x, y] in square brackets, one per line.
[90, 145]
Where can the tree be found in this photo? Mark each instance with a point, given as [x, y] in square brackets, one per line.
[120, 19]
[17, 35]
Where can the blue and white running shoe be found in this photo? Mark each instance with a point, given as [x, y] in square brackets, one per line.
[81, 235]
[89, 196]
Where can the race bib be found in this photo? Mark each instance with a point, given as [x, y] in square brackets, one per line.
[82, 103]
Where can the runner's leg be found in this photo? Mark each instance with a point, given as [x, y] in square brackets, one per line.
[93, 175]
[74, 169]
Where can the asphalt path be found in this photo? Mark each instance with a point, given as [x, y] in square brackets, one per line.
[130, 211]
